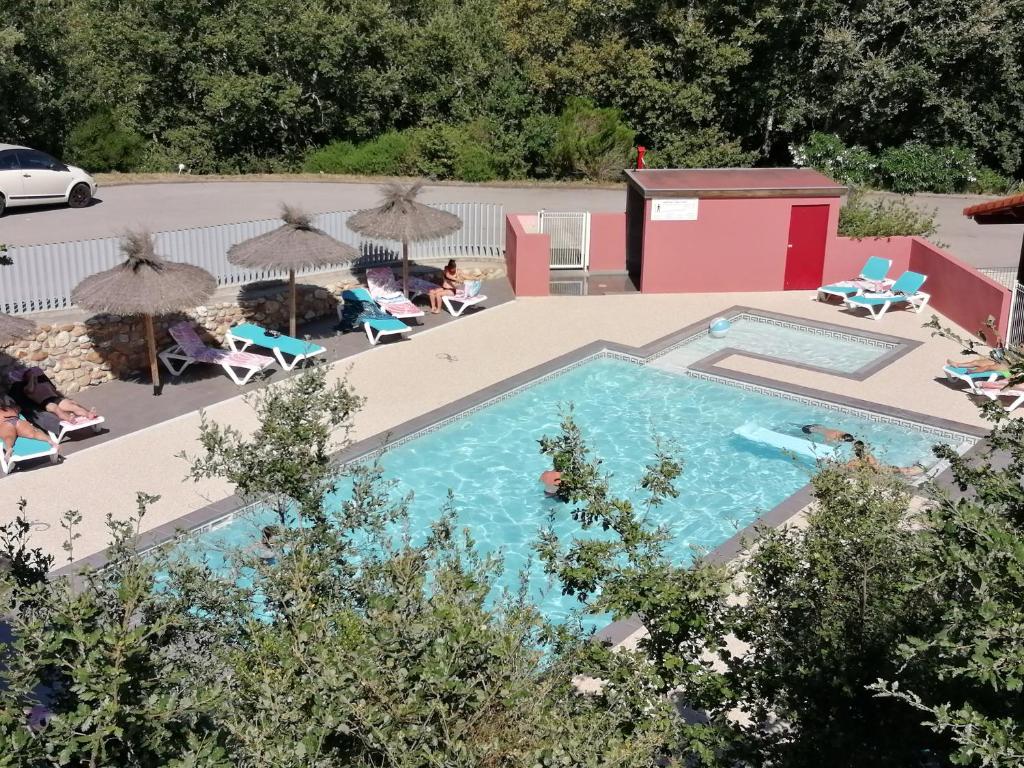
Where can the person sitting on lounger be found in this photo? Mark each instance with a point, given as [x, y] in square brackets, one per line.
[828, 435]
[450, 282]
[12, 426]
[862, 457]
[34, 385]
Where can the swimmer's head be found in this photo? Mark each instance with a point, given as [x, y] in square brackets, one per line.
[848, 438]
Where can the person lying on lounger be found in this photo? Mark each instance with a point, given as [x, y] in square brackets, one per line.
[12, 426]
[862, 457]
[978, 364]
[35, 386]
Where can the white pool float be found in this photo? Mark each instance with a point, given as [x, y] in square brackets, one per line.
[801, 447]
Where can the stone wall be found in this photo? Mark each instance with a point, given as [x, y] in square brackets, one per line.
[80, 354]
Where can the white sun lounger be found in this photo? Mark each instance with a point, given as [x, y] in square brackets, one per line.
[26, 449]
[67, 427]
[189, 348]
[993, 394]
[386, 292]
[465, 297]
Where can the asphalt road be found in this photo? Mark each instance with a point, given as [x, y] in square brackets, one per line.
[163, 206]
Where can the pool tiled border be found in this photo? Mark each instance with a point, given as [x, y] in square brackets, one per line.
[227, 509]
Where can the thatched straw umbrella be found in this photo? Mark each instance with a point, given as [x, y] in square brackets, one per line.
[400, 217]
[145, 284]
[295, 245]
[12, 327]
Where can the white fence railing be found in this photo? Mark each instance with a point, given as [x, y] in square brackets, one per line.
[43, 276]
[570, 237]
[1015, 331]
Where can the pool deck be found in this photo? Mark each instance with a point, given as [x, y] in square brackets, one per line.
[441, 365]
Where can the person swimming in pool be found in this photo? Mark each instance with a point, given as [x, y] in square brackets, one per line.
[551, 480]
[862, 457]
[828, 435]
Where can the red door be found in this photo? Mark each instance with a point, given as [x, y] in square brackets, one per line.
[805, 253]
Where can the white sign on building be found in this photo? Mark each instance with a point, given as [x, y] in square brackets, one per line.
[674, 209]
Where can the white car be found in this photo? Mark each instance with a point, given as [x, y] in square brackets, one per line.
[31, 177]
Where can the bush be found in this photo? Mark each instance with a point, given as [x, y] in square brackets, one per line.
[463, 151]
[102, 144]
[827, 153]
[880, 217]
[708, 148]
[390, 154]
[989, 182]
[591, 142]
[915, 167]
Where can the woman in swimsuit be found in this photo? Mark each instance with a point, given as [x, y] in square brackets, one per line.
[36, 386]
[12, 426]
[450, 282]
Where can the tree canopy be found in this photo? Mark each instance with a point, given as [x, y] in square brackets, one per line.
[256, 86]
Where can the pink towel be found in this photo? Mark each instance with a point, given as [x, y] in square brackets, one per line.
[193, 346]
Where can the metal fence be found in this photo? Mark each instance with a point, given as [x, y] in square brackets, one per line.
[570, 237]
[43, 276]
[1005, 276]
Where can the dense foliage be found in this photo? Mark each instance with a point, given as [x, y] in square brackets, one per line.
[864, 216]
[349, 639]
[258, 86]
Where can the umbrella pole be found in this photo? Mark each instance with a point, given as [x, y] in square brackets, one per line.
[291, 308]
[154, 370]
[405, 268]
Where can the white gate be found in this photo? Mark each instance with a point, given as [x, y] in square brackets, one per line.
[570, 238]
[1015, 331]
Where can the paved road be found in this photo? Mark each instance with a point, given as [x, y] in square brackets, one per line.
[174, 206]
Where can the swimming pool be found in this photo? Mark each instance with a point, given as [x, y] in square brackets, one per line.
[829, 350]
[490, 460]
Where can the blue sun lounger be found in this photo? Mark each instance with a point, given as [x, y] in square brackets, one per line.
[972, 378]
[906, 290]
[26, 449]
[871, 276]
[288, 350]
[806, 449]
[357, 306]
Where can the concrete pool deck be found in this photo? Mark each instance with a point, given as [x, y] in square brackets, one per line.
[404, 381]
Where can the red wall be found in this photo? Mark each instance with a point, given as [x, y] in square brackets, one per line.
[961, 293]
[736, 244]
[527, 258]
[607, 242]
[845, 257]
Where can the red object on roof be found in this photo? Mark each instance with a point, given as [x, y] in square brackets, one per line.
[733, 182]
[1006, 210]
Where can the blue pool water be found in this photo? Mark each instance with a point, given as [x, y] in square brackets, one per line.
[845, 354]
[490, 460]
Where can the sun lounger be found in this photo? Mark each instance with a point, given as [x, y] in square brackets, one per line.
[417, 286]
[468, 295]
[64, 428]
[994, 393]
[905, 291]
[386, 292]
[189, 348]
[972, 378]
[872, 278]
[288, 350]
[26, 449]
[357, 306]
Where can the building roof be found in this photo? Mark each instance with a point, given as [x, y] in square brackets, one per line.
[1006, 210]
[733, 182]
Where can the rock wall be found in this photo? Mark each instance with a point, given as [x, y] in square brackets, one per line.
[77, 355]
[104, 347]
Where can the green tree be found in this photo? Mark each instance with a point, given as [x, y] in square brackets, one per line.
[591, 141]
